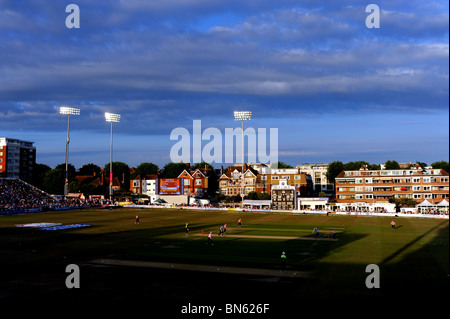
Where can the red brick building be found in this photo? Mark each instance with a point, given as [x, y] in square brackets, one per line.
[375, 186]
[196, 183]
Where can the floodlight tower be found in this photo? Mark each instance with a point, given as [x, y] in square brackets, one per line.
[112, 118]
[68, 111]
[242, 116]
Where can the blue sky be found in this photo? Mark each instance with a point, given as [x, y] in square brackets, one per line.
[335, 89]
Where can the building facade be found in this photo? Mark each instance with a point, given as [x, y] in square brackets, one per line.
[318, 177]
[293, 177]
[262, 180]
[17, 159]
[379, 186]
[284, 196]
[230, 182]
[196, 183]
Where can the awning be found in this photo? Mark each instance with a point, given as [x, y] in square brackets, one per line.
[257, 202]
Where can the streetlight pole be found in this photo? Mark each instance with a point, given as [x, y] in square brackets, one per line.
[68, 111]
[242, 116]
[112, 118]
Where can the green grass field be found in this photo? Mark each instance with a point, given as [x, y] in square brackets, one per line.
[413, 259]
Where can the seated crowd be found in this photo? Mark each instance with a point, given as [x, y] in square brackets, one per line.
[17, 195]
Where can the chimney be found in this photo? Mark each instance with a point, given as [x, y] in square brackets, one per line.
[221, 170]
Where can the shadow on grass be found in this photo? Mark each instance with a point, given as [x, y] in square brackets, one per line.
[34, 271]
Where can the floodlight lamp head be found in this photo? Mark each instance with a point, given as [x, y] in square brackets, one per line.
[111, 117]
[242, 115]
[69, 110]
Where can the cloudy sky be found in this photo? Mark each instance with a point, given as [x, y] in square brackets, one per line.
[335, 89]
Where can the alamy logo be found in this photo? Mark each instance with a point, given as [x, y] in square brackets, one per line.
[373, 19]
[223, 149]
[73, 19]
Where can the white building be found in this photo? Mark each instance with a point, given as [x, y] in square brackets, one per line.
[319, 178]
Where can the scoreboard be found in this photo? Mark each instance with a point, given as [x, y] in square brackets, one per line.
[169, 186]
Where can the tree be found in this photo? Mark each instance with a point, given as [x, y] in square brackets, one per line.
[391, 165]
[89, 170]
[122, 172]
[281, 165]
[202, 166]
[252, 195]
[374, 167]
[39, 171]
[70, 168]
[145, 169]
[442, 165]
[54, 181]
[354, 166]
[173, 170]
[263, 196]
[334, 169]
[322, 194]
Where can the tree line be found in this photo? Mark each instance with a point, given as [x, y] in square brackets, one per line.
[52, 180]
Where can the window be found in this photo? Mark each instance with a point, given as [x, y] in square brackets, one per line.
[416, 180]
[368, 181]
[427, 180]
[358, 181]
[417, 196]
[357, 196]
[297, 177]
[369, 189]
[369, 196]
[264, 178]
[416, 188]
[198, 182]
[274, 178]
[187, 182]
[135, 183]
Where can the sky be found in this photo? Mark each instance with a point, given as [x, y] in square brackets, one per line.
[334, 89]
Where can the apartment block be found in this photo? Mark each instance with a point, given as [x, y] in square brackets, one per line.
[17, 158]
[376, 186]
[318, 177]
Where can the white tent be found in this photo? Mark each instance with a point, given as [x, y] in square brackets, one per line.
[425, 203]
[444, 203]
